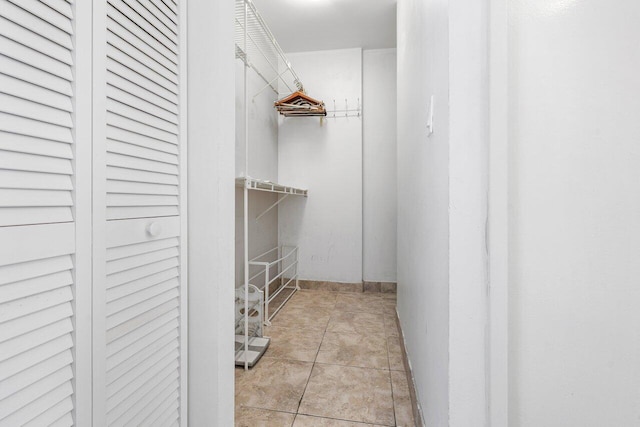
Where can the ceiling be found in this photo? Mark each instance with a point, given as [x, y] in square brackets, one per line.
[307, 25]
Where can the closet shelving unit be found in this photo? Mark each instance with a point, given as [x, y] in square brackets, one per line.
[258, 49]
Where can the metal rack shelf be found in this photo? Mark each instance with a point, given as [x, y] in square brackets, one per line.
[259, 185]
[271, 187]
[287, 263]
[258, 49]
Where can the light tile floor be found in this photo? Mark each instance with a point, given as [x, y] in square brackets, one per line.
[334, 361]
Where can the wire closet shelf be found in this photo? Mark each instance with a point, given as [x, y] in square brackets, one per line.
[258, 48]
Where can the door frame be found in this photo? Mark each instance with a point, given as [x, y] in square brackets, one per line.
[498, 224]
[211, 211]
[83, 190]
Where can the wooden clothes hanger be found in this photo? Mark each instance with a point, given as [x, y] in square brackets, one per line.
[299, 104]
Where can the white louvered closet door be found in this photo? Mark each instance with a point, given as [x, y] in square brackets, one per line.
[37, 213]
[142, 191]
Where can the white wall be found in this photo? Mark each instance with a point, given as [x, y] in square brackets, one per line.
[423, 200]
[327, 160]
[575, 213]
[468, 187]
[442, 204]
[263, 127]
[379, 165]
[263, 164]
[211, 188]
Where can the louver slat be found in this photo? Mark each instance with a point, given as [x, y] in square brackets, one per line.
[161, 14]
[140, 104]
[126, 347]
[34, 58]
[166, 11]
[135, 360]
[140, 176]
[37, 354]
[151, 61]
[24, 72]
[147, 22]
[140, 248]
[45, 13]
[128, 22]
[166, 418]
[117, 106]
[60, 412]
[35, 41]
[26, 90]
[125, 136]
[140, 92]
[35, 111]
[35, 373]
[35, 321]
[136, 151]
[59, 6]
[122, 30]
[33, 23]
[35, 180]
[129, 73]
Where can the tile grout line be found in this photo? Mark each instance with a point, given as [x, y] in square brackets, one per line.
[314, 363]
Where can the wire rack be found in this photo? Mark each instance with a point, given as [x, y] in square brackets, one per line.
[258, 48]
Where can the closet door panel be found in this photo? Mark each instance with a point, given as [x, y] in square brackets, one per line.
[142, 287]
[37, 209]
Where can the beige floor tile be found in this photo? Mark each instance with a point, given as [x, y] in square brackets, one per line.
[293, 343]
[389, 307]
[402, 400]
[348, 393]
[396, 362]
[272, 384]
[390, 326]
[366, 351]
[307, 421]
[303, 318]
[361, 323]
[370, 303]
[279, 299]
[252, 417]
[313, 299]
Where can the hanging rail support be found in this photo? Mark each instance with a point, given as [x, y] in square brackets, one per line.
[272, 206]
[270, 84]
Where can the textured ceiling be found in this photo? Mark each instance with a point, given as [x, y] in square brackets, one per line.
[307, 25]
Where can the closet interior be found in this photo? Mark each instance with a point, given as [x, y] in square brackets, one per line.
[270, 278]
